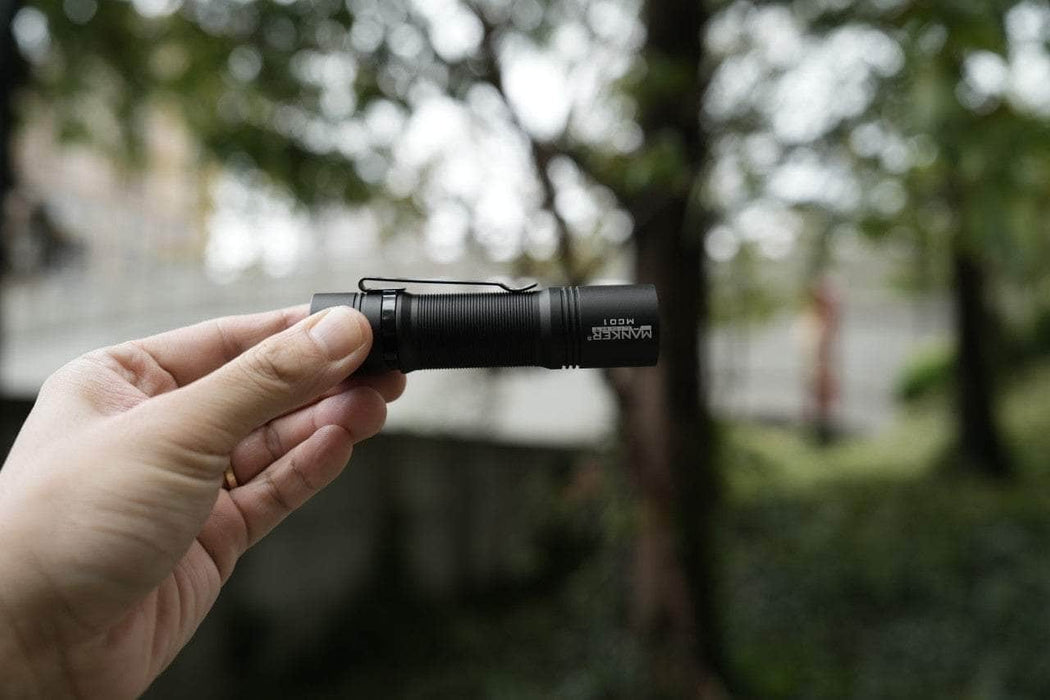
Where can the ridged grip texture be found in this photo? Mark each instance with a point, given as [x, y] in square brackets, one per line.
[470, 330]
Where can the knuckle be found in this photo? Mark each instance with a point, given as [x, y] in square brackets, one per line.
[271, 439]
[275, 495]
[281, 364]
[305, 484]
[274, 362]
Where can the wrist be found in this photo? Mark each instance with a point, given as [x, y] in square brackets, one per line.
[22, 669]
[30, 666]
[28, 669]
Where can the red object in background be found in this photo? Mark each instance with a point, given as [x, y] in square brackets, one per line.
[824, 383]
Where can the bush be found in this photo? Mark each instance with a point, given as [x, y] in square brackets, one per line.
[1035, 342]
[929, 372]
[905, 590]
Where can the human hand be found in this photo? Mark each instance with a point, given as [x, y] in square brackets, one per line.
[115, 533]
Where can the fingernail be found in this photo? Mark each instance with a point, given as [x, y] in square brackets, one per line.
[339, 332]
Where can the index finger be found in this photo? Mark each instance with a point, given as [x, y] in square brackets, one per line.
[189, 353]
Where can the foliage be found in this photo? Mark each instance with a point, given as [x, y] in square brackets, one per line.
[930, 138]
[979, 140]
[1034, 339]
[891, 590]
[226, 68]
[851, 573]
[740, 292]
[317, 98]
[929, 371]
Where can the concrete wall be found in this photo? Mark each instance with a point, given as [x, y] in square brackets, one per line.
[414, 521]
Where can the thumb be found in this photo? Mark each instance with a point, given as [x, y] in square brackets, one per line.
[279, 374]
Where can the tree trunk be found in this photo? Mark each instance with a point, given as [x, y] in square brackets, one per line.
[671, 445]
[979, 442]
[668, 429]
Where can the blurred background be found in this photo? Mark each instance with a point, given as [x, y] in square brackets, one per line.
[835, 484]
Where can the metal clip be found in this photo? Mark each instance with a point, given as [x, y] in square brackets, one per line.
[361, 284]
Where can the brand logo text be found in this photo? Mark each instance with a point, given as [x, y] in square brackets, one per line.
[620, 329]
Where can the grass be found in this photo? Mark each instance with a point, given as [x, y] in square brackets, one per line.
[763, 459]
[859, 571]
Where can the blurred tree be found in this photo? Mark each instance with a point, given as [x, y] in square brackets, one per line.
[301, 92]
[971, 201]
[669, 432]
[669, 429]
[928, 128]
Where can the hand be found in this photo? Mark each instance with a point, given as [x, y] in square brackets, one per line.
[115, 533]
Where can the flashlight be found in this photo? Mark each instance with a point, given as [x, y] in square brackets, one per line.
[556, 327]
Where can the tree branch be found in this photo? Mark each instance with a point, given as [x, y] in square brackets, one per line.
[573, 269]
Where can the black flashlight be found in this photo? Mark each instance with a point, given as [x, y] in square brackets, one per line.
[557, 327]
